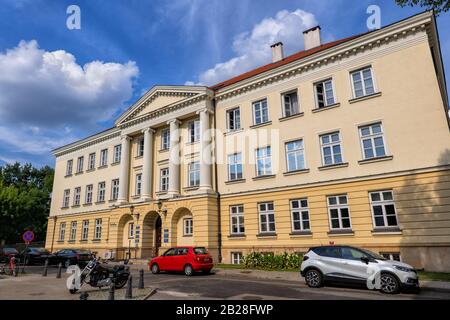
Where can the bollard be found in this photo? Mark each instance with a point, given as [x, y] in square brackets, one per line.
[84, 296]
[111, 291]
[44, 273]
[58, 275]
[129, 292]
[16, 270]
[141, 279]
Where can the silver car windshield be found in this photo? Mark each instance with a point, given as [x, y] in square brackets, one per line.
[373, 254]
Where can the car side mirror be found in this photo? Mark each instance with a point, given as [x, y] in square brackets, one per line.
[365, 260]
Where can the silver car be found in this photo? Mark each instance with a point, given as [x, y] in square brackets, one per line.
[355, 265]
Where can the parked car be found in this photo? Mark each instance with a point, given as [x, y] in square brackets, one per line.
[32, 256]
[70, 257]
[186, 259]
[7, 253]
[349, 265]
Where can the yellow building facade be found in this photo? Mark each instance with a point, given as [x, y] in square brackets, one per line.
[343, 143]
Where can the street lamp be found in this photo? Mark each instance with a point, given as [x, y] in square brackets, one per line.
[160, 208]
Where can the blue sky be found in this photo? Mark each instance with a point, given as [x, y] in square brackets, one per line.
[59, 85]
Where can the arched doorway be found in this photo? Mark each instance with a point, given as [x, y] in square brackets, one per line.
[151, 235]
[126, 247]
[158, 226]
[182, 226]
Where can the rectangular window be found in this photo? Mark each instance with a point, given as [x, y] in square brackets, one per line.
[103, 157]
[295, 156]
[266, 217]
[73, 231]
[117, 153]
[85, 232]
[300, 215]
[260, 112]
[140, 148]
[194, 174]
[131, 230]
[331, 149]
[89, 191]
[263, 162]
[98, 229]
[92, 161]
[164, 183]
[77, 196]
[236, 258]
[234, 119]
[69, 167]
[235, 167]
[194, 131]
[394, 256]
[62, 231]
[363, 82]
[115, 189]
[101, 192]
[383, 209]
[66, 198]
[138, 184]
[339, 213]
[372, 141]
[237, 219]
[80, 163]
[165, 139]
[188, 227]
[290, 104]
[325, 93]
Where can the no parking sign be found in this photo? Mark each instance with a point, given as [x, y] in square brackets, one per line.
[28, 236]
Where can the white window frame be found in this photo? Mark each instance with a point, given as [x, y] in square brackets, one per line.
[73, 231]
[140, 145]
[138, 184]
[194, 131]
[85, 232]
[188, 227]
[325, 98]
[339, 206]
[91, 165]
[131, 230]
[103, 158]
[292, 111]
[363, 82]
[98, 229]
[62, 231]
[390, 255]
[236, 258]
[236, 112]
[267, 213]
[301, 209]
[165, 139]
[115, 189]
[266, 157]
[260, 105]
[297, 152]
[117, 153]
[66, 198]
[235, 162]
[372, 136]
[80, 164]
[69, 167]
[164, 180]
[194, 174]
[77, 196]
[383, 203]
[237, 211]
[101, 194]
[331, 144]
[89, 194]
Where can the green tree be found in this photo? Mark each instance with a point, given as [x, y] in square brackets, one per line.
[437, 5]
[24, 201]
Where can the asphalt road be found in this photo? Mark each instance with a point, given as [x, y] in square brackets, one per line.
[242, 287]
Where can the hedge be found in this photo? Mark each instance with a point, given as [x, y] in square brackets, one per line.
[284, 261]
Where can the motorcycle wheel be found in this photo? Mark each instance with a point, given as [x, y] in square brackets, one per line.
[120, 283]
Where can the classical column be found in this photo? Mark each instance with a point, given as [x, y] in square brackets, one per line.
[205, 151]
[147, 177]
[174, 159]
[124, 170]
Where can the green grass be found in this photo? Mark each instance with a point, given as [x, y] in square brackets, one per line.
[435, 276]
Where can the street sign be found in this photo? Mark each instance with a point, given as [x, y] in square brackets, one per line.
[28, 236]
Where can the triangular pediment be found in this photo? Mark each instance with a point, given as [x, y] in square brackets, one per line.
[159, 97]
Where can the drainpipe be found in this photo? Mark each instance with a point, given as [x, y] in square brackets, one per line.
[53, 235]
[219, 224]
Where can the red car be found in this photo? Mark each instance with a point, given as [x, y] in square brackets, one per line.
[186, 259]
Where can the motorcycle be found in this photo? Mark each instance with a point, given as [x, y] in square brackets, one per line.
[101, 275]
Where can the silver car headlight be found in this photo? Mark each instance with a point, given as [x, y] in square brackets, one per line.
[404, 269]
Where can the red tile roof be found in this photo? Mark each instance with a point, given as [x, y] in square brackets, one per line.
[287, 60]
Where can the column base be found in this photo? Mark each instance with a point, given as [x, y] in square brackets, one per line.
[122, 202]
[206, 190]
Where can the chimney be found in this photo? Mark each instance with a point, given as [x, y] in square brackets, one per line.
[312, 38]
[277, 52]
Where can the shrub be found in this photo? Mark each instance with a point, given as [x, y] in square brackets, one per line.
[266, 261]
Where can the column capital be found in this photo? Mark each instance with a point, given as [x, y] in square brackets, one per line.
[176, 121]
[205, 110]
[125, 137]
[148, 129]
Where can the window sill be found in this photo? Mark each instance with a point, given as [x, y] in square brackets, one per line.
[135, 197]
[191, 188]
[237, 236]
[271, 176]
[268, 235]
[71, 241]
[231, 132]
[301, 234]
[115, 164]
[291, 173]
[96, 240]
[192, 143]
[138, 157]
[161, 193]
[100, 202]
[90, 170]
[60, 241]
[377, 159]
[297, 115]
[268, 123]
[367, 97]
[333, 106]
[164, 150]
[113, 200]
[334, 166]
[64, 208]
[76, 206]
[102, 167]
[84, 240]
[187, 235]
[234, 181]
[387, 231]
[344, 232]
[79, 173]
[67, 176]
[87, 204]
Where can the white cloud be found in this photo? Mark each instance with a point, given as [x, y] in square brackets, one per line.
[252, 48]
[47, 95]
